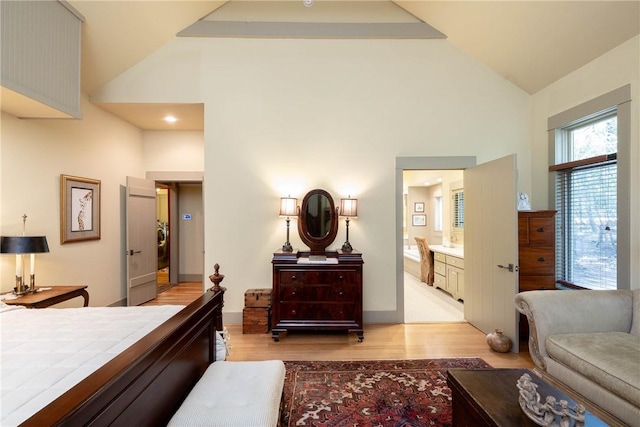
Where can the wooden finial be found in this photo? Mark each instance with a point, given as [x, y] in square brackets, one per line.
[216, 278]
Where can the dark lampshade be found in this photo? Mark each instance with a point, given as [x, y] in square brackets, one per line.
[23, 244]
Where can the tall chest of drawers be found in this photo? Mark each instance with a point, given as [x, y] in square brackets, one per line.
[317, 295]
[536, 254]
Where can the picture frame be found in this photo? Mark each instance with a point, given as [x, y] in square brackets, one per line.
[418, 207]
[79, 209]
[419, 220]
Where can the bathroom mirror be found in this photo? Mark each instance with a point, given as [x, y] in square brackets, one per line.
[318, 221]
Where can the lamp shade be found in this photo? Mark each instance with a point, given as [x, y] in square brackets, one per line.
[349, 207]
[288, 206]
[23, 244]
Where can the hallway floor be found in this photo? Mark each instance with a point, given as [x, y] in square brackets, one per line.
[426, 304]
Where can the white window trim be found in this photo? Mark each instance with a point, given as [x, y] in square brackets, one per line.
[619, 99]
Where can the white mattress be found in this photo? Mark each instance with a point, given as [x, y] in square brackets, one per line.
[47, 351]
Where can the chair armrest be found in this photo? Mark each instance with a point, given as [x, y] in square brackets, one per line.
[566, 312]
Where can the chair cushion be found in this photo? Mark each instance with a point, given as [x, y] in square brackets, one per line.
[610, 359]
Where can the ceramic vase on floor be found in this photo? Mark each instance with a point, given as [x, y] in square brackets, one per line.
[499, 342]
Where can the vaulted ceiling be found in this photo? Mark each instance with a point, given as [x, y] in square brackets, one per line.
[530, 43]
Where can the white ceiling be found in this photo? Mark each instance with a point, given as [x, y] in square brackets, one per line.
[530, 43]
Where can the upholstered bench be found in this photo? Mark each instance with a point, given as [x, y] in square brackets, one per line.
[234, 394]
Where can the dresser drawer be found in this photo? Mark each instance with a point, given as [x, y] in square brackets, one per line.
[455, 261]
[440, 281]
[542, 231]
[536, 283]
[328, 277]
[315, 311]
[537, 261]
[318, 293]
[440, 268]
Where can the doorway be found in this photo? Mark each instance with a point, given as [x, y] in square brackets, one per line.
[428, 213]
[185, 225]
[163, 236]
[409, 164]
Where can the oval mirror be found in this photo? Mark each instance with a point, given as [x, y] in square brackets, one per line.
[318, 221]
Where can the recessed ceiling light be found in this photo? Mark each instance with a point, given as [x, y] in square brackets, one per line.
[170, 119]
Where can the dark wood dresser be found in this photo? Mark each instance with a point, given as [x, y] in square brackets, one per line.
[536, 254]
[317, 295]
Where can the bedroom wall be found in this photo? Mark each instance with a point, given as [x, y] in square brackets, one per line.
[173, 151]
[34, 154]
[191, 236]
[618, 67]
[286, 116]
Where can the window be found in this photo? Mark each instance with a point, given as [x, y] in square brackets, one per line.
[457, 211]
[586, 187]
[437, 214]
[586, 195]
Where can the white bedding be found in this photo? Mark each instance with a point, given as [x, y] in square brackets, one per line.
[45, 352]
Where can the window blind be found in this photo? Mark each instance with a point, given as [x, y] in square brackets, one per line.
[458, 208]
[586, 241]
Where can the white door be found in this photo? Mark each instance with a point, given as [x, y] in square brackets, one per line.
[142, 250]
[491, 247]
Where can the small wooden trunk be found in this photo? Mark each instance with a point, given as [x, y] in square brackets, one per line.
[256, 320]
[257, 298]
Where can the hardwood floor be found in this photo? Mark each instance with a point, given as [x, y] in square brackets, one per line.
[382, 341]
[182, 294]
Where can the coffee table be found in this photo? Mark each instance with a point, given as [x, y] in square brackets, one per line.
[489, 397]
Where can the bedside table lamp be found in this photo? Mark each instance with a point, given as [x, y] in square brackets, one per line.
[348, 209]
[288, 208]
[21, 245]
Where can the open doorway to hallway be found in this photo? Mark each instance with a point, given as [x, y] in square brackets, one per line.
[162, 234]
[180, 233]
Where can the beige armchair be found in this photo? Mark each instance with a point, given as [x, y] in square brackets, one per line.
[426, 261]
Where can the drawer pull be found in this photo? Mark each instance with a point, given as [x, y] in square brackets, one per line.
[541, 259]
[293, 294]
[541, 230]
[293, 312]
[341, 277]
[294, 277]
[341, 293]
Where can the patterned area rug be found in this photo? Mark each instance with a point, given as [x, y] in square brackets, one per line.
[400, 393]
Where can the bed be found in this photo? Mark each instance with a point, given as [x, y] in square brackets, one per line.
[136, 376]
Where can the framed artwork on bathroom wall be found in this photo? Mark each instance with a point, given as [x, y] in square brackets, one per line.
[419, 220]
[418, 207]
[79, 209]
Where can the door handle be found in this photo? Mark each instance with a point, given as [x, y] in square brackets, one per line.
[509, 267]
[131, 252]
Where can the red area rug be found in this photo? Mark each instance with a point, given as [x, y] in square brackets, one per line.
[400, 393]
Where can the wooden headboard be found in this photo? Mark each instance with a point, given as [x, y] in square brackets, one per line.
[145, 384]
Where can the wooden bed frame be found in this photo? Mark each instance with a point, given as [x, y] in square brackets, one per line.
[145, 384]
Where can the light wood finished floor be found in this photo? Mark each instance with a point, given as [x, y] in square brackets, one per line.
[381, 341]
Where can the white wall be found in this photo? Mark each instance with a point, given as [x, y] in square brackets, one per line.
[618, 67]
[191, 237]
[173, 151]
[286, 116]
[34, 154]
